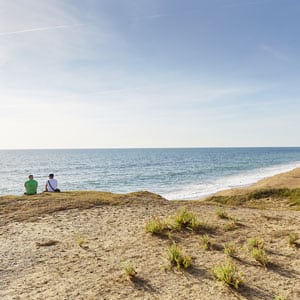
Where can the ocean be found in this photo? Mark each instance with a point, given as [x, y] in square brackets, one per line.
[174, 173]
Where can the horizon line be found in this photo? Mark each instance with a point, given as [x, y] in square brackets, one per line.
[132, 148]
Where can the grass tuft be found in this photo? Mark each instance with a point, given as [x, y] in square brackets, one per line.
[260, 256]
[230, 226]
[156, 226]
[81, 240]
[230, 249]
[176, 257]
[293, 237]
[227, 273]
[255, 243]
[280, 297]
[129, 270]
[292, 197]
[221, 213]
[206, 242]
[184, 219]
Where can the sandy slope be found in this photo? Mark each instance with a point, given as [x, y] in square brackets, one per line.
[76, 253]
[290, 180]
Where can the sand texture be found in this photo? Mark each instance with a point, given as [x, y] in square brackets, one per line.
[72, 245]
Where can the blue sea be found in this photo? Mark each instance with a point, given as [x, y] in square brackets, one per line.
[174, 173]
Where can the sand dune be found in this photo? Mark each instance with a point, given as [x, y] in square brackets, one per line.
[71, 245]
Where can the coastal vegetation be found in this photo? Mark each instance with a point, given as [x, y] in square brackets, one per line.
[288, 197]
[227, 273]
[293, 237]
[177, 259]
[129, 270]
[230, 249]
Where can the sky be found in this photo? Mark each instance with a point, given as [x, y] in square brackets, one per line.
[149, 73]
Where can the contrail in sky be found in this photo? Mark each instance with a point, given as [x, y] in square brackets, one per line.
[39, 29]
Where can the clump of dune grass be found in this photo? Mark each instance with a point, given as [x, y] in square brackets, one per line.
[184, 219]
[293, 237]
[230, 226]
[206, 242]
[280, 297]
[292, 196]
[81, 240]
[227, 273]
[260, 256]
[129, 270]
[255, 243]
[156, 226]
[176, 257]
[230, 249]
[221, 213]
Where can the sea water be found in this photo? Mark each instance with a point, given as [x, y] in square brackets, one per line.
[181, 173]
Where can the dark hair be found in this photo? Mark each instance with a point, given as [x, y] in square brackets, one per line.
[51, 175]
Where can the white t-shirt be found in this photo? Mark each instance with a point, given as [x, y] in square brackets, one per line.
[53, 183]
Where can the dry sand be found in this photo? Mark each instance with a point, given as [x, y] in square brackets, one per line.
[71, 246]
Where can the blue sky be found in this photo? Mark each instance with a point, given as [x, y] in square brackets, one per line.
[149, 73]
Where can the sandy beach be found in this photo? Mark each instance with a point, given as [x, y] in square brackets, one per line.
[72, 245]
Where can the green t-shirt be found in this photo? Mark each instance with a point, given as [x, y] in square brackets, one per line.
[31, 186]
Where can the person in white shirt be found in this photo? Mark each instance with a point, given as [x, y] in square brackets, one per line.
[51, 184]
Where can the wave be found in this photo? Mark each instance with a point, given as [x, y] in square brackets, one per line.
[243, 179]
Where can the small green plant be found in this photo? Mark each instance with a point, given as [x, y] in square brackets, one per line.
[169, 235]
[206, 242]
[280, 297]
[255, 243]
[230, 226]
[293, 237]
[81, 240]
[230, 249]
[227, 273]
[177, 258]
[260, 255]
[156, 226]
[128, 269]
[233, 219]
[221, 213]
[184, 219]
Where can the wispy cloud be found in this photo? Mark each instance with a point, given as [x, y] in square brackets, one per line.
[245, 3]
[40, 29]
[274, 52]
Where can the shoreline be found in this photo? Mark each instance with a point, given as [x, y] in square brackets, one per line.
[234, 182]
[290, 179]
[285, 179]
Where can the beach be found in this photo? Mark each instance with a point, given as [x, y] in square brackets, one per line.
[72, 245]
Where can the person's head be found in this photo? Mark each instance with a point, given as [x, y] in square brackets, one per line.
[30, 176]
[51, 176]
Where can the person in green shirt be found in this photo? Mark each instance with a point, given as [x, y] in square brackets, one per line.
[31, 186]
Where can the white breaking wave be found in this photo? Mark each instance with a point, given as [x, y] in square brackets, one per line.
[203, 189]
